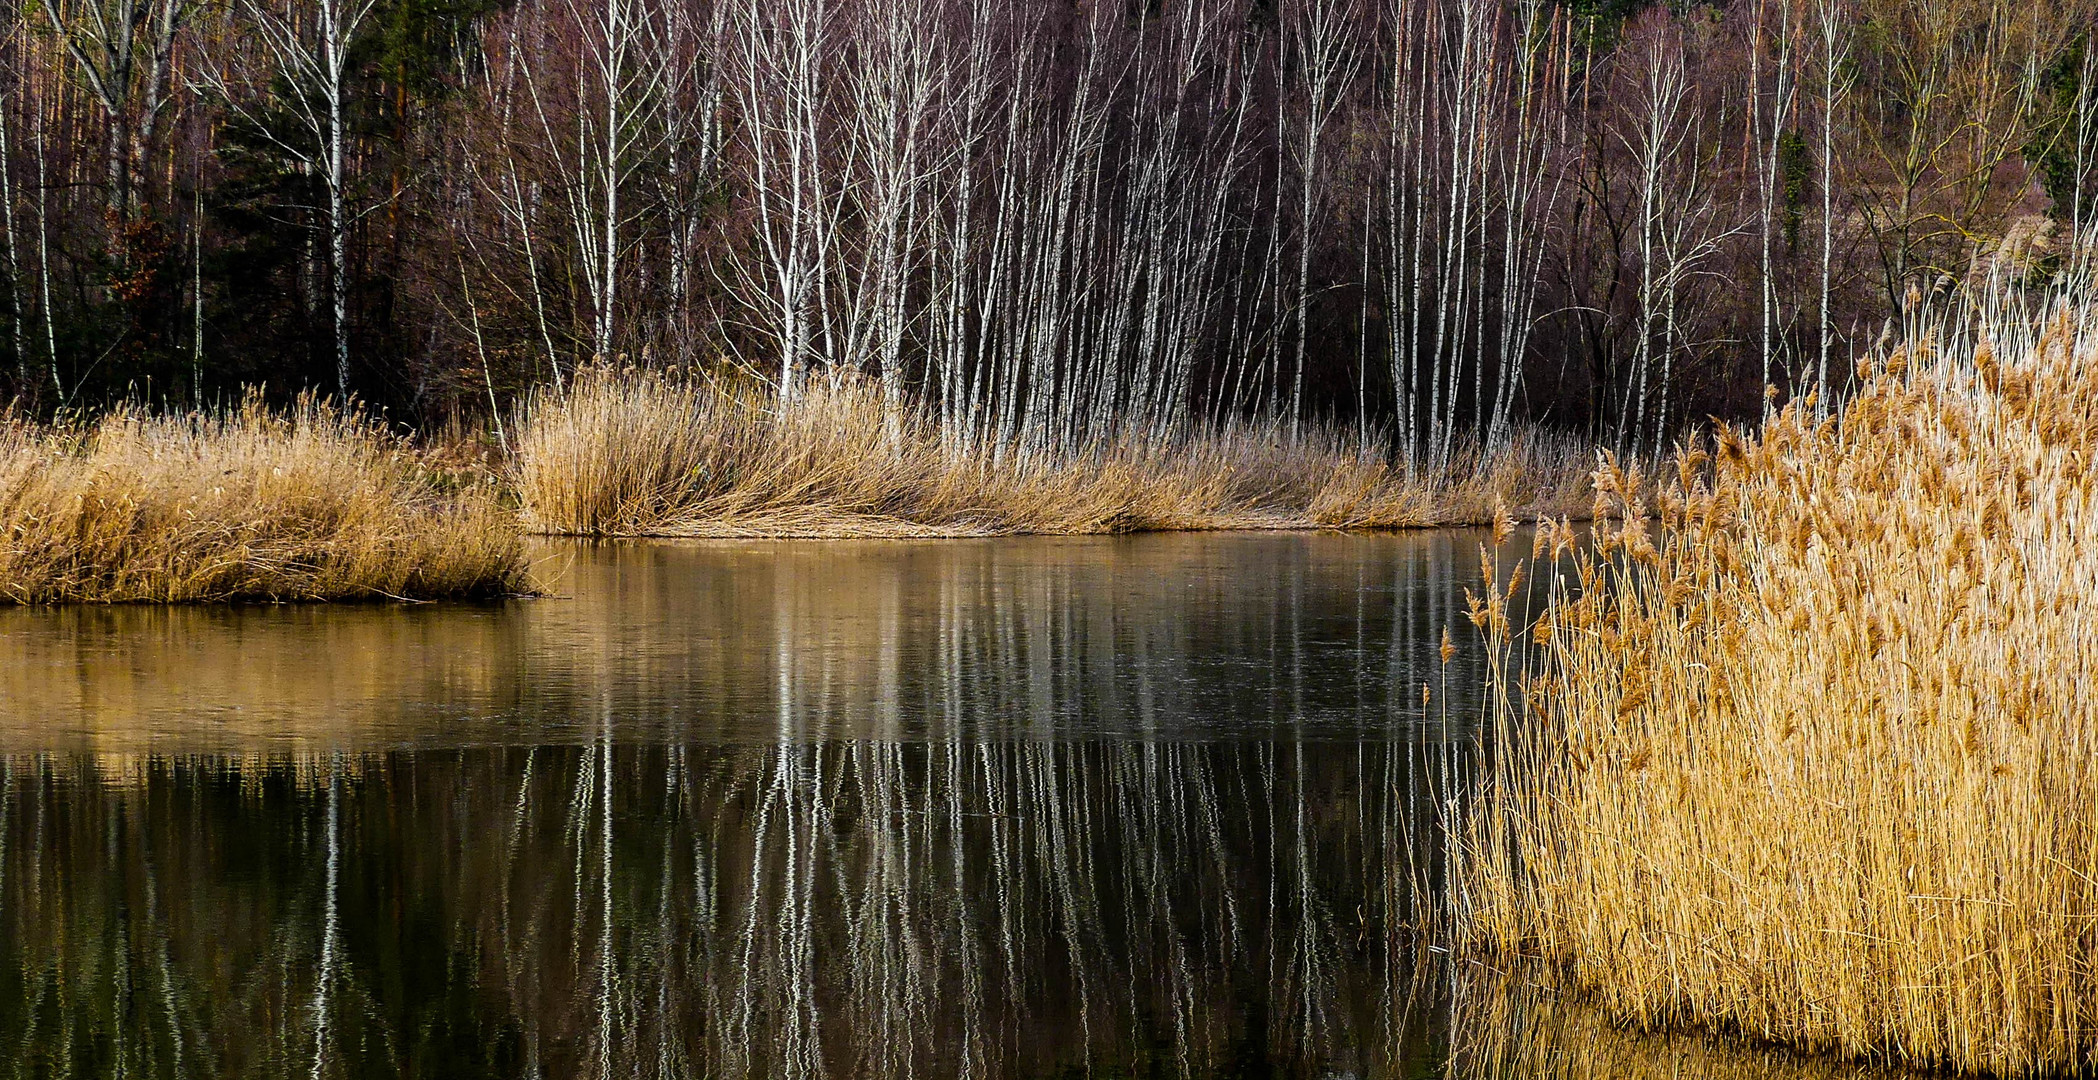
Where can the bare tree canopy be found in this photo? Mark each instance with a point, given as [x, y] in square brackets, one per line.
[1040, 223]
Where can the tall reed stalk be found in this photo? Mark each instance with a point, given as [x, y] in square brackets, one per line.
[1808, 749]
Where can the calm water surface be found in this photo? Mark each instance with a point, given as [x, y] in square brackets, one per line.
[1147, 806]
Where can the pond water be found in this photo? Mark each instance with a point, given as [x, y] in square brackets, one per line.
[1105, 807]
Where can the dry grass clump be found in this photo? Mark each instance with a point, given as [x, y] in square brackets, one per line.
[1813, 755]
[1539, 474]
[318, 503]
[621, 452]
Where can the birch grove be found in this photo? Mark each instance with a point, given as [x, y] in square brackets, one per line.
[1034, 227]
[306, 50]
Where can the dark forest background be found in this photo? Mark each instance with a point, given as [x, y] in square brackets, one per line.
[1034, 219]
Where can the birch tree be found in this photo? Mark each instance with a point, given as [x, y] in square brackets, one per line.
[16, 314]
[1320, 41]
[892, 84]
[1834, 41]
[308, 45]
[2083, 140]
[122, 51]
[1768, 114]
[1476, 101]
[1533, 178]
[778, 51]
[1657, 135]
[692, 98]
[625, 72]
[1410, 74]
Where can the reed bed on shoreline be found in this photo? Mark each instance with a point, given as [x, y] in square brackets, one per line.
[243, 503]
[634, 453]
[1804, 750]
[321, 503]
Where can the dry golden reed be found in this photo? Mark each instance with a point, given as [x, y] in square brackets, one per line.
[246, 503]
[1805, 750]
[621, 452]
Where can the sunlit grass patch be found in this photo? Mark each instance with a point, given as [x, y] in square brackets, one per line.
[246, 503]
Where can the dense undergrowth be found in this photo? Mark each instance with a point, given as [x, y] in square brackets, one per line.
[627, 453]
[1804, 749]
[245, 503]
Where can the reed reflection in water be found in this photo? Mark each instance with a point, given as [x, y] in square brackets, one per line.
[1158, 807]
[836, 909]
[845, 909]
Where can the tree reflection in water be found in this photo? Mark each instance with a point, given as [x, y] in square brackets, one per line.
[836, 909]
[1150, 807]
